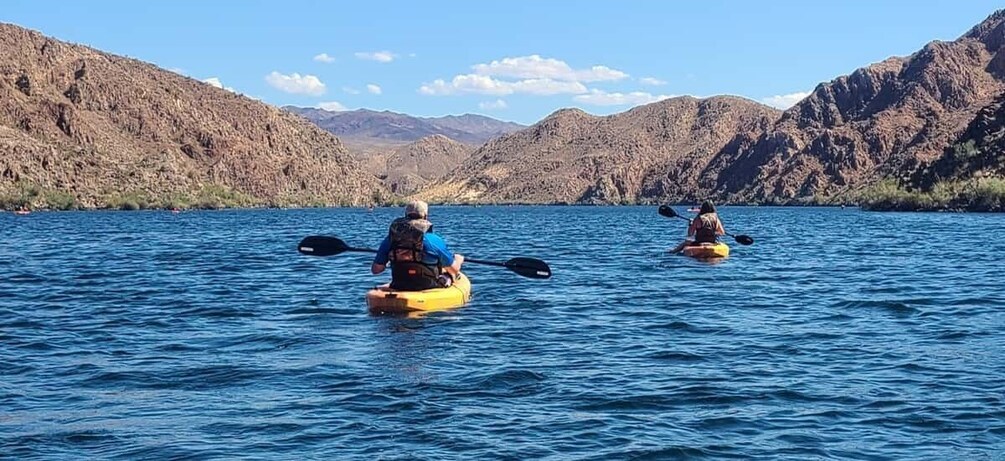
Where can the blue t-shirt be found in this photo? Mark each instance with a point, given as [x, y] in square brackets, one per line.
[434, 250]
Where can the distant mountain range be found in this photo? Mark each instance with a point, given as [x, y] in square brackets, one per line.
[369, 127]
[79, 127]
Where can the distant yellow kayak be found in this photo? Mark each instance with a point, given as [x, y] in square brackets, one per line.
[384, 300]
[707, 250]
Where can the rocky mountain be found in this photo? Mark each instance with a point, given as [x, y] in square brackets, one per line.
[371, 127]
[878, 122]
[872, 124]
[408, 168]
[656, 150]
[94, 126]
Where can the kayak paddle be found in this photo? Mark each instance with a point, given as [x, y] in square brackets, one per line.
[321, 245]
[671, 213]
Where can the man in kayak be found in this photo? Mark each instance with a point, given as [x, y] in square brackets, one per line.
[704, 228]
[419, 259]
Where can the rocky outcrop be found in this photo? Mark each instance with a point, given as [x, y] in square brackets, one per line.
[92, 124]
[978, 153]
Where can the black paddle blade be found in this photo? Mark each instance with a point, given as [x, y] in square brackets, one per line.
[529, 267]
[319, 245]
[668, 212]
[744, 240]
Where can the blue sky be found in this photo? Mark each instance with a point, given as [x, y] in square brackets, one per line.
[514, 60]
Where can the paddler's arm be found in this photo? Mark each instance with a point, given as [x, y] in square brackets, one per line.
[380, 259]
[451, 262]
[455, 268]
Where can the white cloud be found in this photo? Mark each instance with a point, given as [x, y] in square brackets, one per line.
[785, 101]
[332, 106]
[215, 81]
[296, 83]
[379, 56]
[546, 87]
[482, 84]
[536, 67]
[350, 90]
[323, 57]
[603, 98]
[652, 81]
[498, 104]
[373, 89]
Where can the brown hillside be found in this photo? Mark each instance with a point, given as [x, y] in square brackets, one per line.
[656, 150]
[97, 125]
[409, 167]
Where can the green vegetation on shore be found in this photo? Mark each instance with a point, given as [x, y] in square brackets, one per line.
[25, 194]
[985, 194]
[32, 196]
[209, 197]
[978, 194]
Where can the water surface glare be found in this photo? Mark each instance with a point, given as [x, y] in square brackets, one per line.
[839, 334]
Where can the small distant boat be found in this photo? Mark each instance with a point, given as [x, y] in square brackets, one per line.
[22, 212]
[694, 210]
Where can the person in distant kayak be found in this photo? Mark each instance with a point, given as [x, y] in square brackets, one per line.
[704, 228]
[419, 259]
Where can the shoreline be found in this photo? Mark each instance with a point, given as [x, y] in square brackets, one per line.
[496, 205]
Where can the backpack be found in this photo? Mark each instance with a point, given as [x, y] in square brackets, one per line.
[705, 227]
[408, 271]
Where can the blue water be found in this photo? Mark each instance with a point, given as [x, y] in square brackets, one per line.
[839, 334]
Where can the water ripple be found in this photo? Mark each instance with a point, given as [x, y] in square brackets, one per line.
[203, 335]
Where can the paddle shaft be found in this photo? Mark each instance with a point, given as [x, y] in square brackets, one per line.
[467, 260]
[319, 245]
[487, 263]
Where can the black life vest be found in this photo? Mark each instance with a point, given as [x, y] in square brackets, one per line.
[705, 226]
[408, 271]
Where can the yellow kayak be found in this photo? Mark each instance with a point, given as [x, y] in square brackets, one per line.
[707, 250]
[384, 300]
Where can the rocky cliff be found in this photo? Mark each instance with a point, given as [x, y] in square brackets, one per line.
[978, 153]
[95, 126]
[872, 124]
